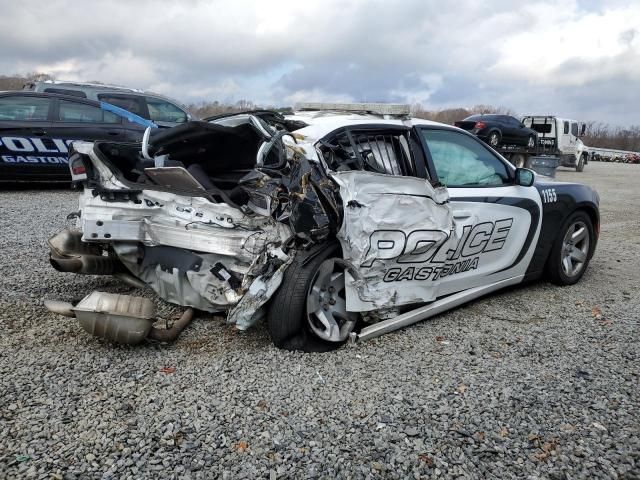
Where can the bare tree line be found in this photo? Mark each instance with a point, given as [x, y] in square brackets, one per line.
[598, 134]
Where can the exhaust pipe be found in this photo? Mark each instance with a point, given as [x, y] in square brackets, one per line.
[170, 334]
[119, 318]
[70, 254]
[61, 308]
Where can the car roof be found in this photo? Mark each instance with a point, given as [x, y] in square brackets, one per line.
[321, 122]
[27, 93]
[106, 88]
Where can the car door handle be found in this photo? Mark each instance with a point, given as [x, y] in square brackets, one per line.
[38, 133]
[461, 214]
[113, 132]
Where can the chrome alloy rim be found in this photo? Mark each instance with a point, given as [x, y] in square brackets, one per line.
[327, 305]
[575, 249]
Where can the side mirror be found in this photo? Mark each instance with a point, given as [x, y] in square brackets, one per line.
[524, 177]
[583, 129]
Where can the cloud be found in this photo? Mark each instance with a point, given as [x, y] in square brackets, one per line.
[579, 58]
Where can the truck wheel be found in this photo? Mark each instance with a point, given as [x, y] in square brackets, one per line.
[518, 160]
[494, 139]
[581, 162]
[531, 142]
[308, 312]
[572, 250]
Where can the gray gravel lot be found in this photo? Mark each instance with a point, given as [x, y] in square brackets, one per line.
[536, 382]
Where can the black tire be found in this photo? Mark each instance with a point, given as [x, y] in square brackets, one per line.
[287, 315]
[555, 271]
[581, 162]
[494, 139]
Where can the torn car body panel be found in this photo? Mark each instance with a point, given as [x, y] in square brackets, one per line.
[390, 221]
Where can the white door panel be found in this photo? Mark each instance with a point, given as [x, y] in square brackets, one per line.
[505, 220]
[408, 245]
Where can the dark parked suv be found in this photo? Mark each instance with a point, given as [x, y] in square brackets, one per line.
[36, 129]
[499, 130]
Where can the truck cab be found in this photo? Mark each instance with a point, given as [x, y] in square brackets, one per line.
[560, 137]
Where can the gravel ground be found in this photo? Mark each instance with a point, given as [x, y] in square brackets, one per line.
[535, 382]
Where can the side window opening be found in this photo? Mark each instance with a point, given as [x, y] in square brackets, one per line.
[128, 102]
[380, 151]
[574, 129]
[24, 108]
[83, 113]
[462, 161]
[163, 111]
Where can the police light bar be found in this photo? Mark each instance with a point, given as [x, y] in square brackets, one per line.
[377, 108]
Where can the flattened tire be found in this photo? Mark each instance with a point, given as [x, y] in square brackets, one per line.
[570, 255]
[287, 316]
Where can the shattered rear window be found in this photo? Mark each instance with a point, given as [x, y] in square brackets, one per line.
[381, 151]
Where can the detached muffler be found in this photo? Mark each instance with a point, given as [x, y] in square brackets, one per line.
[119, 318]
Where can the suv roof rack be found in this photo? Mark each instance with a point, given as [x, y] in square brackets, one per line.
[396, 109]
[92, 85]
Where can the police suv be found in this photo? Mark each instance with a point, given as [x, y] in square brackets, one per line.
[37, 128]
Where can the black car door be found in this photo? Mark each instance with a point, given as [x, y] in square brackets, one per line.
[519, 134]
[508, 133]
[28, 151]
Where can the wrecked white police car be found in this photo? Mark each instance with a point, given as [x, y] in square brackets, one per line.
[337, 221]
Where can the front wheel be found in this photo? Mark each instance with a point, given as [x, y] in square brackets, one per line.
[581, 162]
[309, 310]
[494, 139]
[572, 250]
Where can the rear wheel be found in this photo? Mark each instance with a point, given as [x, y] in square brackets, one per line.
[572, 250]
[494, 139]
[308, 312]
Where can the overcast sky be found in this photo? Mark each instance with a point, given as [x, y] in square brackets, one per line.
[573, 58]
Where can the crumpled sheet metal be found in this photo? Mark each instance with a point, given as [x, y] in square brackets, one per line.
[261, 288]
[380, 214]
[201, 289]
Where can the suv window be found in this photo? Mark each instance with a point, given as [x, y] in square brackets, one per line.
[163, 111]
[24, 108]
[461, 160]
[81, 112]
[64, 91]
[128, 102]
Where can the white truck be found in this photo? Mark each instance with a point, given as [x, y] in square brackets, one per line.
[560, 137]
[558, 144]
